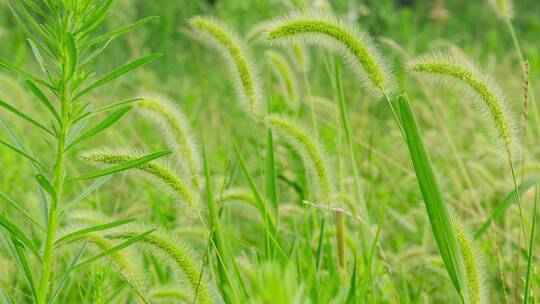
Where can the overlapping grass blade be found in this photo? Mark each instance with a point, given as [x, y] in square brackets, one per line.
[439, 217]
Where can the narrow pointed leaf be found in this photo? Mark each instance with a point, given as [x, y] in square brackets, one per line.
[18, 234]
[120, 31]
[23, 154]
[104, 124]
[79, 233]
[117, 73]
[124, 165]
[24, 116]
[42, 98]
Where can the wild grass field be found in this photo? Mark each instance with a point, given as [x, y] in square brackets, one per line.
[269, 151]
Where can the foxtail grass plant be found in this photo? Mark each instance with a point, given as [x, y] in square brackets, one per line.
[64, 38]
[177, 131]
[335, 34]
[244, 72]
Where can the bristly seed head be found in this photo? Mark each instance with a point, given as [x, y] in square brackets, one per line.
[310, 151]
[338, 35]
[177, 131]
[446, 68]
[232, 48]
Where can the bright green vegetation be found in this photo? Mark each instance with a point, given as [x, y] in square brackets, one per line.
[270, 173]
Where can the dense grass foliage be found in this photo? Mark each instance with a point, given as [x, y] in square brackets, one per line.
[281, 151]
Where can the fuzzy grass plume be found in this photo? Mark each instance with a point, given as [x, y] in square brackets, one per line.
[175, 126]
[335, 34]
[245, 73]
[286, 77]
[157, 171]
[446, 68]
[311, 152]
[474, 280]
[176, 255]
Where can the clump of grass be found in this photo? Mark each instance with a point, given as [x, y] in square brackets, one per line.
[176, 255]
[286, 76]
[466, 76]
[162, 173]
[311, 152]
[245, 73]
[177, 131]
[335, 34]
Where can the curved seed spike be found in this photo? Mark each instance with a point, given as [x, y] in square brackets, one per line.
[335, 34]
[232, 48]
[446, 68]
[176, 254]
[158, 172]
[475, 292]
[175, 126]
[311, 152]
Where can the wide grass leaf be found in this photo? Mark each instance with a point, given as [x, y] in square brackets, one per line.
[439, 217]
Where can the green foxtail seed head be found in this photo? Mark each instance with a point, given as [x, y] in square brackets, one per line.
[356, 47]
[244, 71]
[126, 262]
[160, 172]
[311, 152]
[175, 126]
[283, 71]
[176, 254]
[503, 8]
[446, 68]
[474, 280]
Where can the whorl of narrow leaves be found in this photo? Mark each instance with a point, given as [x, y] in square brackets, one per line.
[125, 263]
[335, 34]
[157, 171]
[286, 76]
[232, 48]
[176, 255]
[446, 68]
[175, 126]
[503, 8]
[475, 291]
[311, 152]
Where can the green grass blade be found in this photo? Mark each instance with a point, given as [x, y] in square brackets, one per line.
[25, 265]
[19, 235]
[439, 216]
[106, 108]
[4, 197]
[42, 98]
[81, 232]
[124, 165]
[23, 154]
[529, 278]
[121, 31]
[24, 116]
[87, 191]
[71, 60]
[117, 73]
[102, 125]
[115, 249]
[511, 198]
[65, 277]
[15, 69]
[47, 186]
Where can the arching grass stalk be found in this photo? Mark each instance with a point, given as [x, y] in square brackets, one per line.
[487, 96]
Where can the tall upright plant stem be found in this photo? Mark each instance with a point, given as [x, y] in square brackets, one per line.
[58, 184]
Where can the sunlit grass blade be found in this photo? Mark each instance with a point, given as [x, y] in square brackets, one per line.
[125, 165]
[439, 217]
